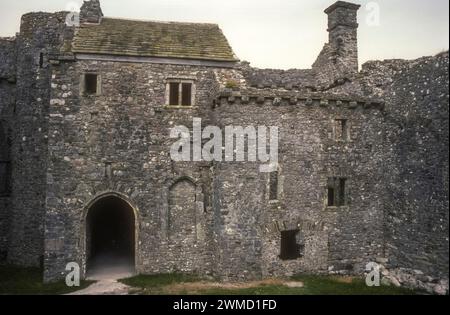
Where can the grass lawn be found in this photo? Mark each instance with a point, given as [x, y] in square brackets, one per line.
[312, 285]
[15, 280]
[27, 281]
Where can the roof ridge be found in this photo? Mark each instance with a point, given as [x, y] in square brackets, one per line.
[154, 38]
[158, 21]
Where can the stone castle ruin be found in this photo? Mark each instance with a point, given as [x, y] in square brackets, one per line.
[85, 113]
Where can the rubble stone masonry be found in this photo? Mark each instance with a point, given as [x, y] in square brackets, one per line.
[362, 174]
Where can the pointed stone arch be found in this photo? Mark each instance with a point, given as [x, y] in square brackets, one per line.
[183, 204]
[124, 208]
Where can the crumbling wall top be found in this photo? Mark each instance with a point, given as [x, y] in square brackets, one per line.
[8, 59]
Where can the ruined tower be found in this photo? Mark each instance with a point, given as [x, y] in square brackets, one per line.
[342, 29]
[339, 57]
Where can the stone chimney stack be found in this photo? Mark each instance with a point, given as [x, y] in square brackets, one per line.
[91, 12]
[343, 29]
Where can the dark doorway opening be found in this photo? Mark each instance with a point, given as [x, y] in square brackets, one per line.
[290, 249]
[90, 83]
[110, 235]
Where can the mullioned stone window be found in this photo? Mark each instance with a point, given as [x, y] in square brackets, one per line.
[273, 186]
[180, 92]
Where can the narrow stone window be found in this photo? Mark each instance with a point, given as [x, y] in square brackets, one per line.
[108, 170]
[341, 129]
[331, 202]
[41, 60]
[289, 247]
[174, 93]
[337, 192]
[186, 94]
[273, 185]
[180, 93]
[90, 84]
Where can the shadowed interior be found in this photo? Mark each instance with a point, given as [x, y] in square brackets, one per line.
[110, 234]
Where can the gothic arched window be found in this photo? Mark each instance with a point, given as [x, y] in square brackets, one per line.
[182, 212]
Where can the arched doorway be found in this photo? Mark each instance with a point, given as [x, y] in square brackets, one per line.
[110, 237]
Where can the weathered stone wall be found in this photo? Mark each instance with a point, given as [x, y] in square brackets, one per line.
[237, 219]
[416, 177]
[8, 59]
[5, 192]
[237, 230]
[339, 239]
[40, 33]
[127, 126]
[415, 171]
[69, 149]
[293, 79]
[7, 99]
[241, 225]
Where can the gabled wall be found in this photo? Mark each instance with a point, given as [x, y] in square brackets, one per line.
[127, 126]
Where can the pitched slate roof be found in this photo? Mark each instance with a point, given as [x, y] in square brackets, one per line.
[153, 39]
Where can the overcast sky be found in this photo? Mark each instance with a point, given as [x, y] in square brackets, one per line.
[279, 33]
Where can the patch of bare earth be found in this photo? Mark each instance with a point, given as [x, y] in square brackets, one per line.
[197, 287]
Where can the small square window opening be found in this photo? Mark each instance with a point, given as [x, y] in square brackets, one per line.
[90, 84]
